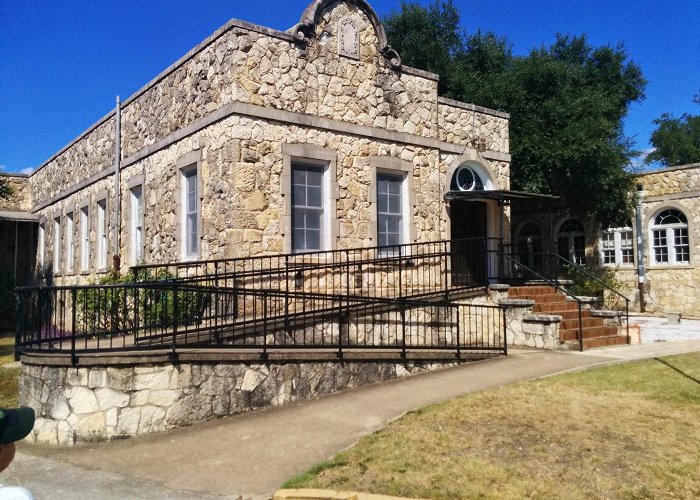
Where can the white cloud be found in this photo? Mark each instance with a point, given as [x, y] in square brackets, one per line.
[26, 171]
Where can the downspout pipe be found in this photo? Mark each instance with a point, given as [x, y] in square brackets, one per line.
[641, 271]
[116, 259]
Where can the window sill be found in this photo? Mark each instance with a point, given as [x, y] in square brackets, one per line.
[666, 267]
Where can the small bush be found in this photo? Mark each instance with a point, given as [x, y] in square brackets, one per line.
[123, 303]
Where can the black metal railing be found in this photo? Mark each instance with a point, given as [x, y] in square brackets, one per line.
[173, 315]
[400, 297]
[606, 297]
[409, 270]
[532, 275]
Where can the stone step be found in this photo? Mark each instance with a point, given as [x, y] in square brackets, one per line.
[556, 307]
[604, 341]
[588, 333]
[587, 322]
[520, 291]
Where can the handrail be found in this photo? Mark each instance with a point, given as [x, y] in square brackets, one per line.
[582, 270]
[554, 284]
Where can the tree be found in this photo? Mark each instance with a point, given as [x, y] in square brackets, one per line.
[676, 141]
[566, 102]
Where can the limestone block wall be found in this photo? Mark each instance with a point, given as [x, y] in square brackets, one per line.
[87, 156]
[21, 198]
[236, 100]
[101, 403]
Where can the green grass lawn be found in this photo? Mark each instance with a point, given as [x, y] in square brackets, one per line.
[627, 431]
[8, 376]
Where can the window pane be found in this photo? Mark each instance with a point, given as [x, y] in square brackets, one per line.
[389, 209]
[307, 207]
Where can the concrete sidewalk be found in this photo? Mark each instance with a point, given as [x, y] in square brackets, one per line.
[251, 455]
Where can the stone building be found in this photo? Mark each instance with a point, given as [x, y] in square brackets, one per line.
[656, 253]
[263, 141]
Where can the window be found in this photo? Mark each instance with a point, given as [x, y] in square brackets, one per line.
[617, 247]
[42, 246]
[136, 224]
[101, 231]
[571, 244]
[389, 210]
[190, 213]
[530, 245]
[669, 237]
[307, 207]
[466, 179]
[56, 245]
[70, 245]
[84, 239]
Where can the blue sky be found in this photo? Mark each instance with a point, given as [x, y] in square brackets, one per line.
[63, 62]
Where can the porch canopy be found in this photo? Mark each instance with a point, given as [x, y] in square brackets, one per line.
[504, 197]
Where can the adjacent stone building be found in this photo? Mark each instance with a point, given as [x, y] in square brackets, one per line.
[656, 253]
[262, 141]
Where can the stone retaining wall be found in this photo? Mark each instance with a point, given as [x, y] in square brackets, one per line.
[102, 403]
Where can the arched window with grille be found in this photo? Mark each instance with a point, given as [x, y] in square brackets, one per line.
[669, 238]
[530, 245]
[571, 242]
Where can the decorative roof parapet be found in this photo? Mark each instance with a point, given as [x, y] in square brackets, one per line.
[303, 31]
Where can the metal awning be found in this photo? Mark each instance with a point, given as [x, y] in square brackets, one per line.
[501, 195]
[18, 216]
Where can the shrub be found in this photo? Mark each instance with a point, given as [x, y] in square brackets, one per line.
[123, 303]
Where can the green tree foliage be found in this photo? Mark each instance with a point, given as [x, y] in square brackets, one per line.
[566, 102]
[676, 141]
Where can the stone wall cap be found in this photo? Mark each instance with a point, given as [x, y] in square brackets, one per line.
[542, 318]
[473, 107]
[499, 287]
[582, 298]
[516, 302]
[606, 313]
[669, 169]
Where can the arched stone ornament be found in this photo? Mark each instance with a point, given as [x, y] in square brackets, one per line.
[348, 38]
[303, 31]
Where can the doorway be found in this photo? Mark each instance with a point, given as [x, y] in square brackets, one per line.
[468, 226]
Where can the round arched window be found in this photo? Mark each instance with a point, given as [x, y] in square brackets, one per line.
[467, 179]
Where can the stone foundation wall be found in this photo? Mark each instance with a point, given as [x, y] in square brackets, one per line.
[109, 402]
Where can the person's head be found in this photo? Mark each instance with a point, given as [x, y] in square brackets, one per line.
[15, 424]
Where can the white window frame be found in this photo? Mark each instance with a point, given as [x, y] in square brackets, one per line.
[57, 228]
[186, 210]
[616, 246]
[386, 165]
[326, 159]
[323, 242]
[390, 250]
[70, 242]
[41, 244]
[670, 232]
[184, 165]
[85, 238]
[101, 235]
[571, 242]
[136, 229]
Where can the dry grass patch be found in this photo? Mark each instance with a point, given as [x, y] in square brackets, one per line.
[628, 431]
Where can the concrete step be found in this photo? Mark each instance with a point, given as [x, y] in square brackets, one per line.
[604, 341]
[588, 333]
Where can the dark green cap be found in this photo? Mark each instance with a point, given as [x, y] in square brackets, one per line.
[15, 423]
